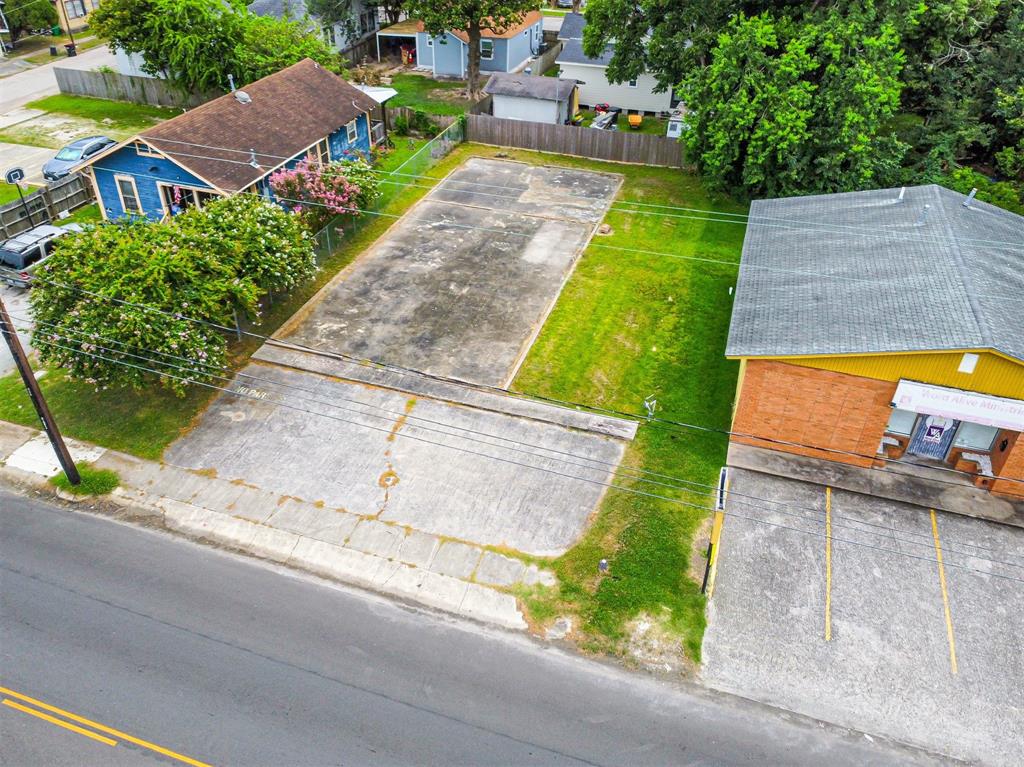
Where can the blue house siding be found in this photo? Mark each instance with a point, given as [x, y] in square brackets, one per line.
[147, 172]
[424, 52]
[339, 139]
[521, 47]
[449, 56]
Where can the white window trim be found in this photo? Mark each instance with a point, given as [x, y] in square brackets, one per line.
[169, 185]
[490, 55]
[145, 150]
[632, 83]
[352, 132]
[135, 190]
[430, 41]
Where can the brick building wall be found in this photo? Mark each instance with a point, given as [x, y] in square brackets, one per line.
[819, 408]
[1010, 463]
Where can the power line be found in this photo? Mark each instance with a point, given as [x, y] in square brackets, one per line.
[613, 468]
[406, 435]
[660, 422]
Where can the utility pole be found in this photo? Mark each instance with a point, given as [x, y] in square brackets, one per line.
[49, 425]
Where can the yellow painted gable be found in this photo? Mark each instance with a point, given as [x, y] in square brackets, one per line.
[994, 373]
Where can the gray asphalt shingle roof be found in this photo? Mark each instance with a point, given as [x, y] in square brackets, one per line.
[529, 86]
[854, 273]
[572, 27]
[572, 53]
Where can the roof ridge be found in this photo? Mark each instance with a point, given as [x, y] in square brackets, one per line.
[962, 270]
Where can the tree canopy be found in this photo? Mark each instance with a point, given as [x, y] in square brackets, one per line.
[196, 44]
[25, 15]
[472, 17]
[118, 301]
[929, 87]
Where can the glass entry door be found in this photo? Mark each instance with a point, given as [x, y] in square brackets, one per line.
[933, 436]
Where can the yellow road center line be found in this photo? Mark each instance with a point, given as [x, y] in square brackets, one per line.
[828, 564]
[58, 722]
[103, 728]
[945, 592]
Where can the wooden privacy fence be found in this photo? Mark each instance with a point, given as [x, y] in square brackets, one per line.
[614, 146]
[546, 60]
[45, 205]
[118, 87]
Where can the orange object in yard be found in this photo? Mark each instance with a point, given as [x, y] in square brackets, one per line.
[635, 121]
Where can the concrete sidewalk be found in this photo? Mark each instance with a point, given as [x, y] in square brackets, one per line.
[439, 572]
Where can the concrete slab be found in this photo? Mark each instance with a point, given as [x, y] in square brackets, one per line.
[377, 538]
[418, 549]
[435, 467]
[499, 570]
[38, 457]
[888, 665]
[323, 524]
[456, 559]
[460, 285]
[918, 485]
[12, 437]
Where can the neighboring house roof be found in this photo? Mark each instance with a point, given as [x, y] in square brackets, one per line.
[572, 27]
[572, 53]
[378, 93]
[290, 111]
[280, 9]
[860, 273]
[405, 27]
[530, 86]
[531, 18]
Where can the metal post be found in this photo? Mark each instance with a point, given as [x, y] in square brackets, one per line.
[24, 204]
[34, 392]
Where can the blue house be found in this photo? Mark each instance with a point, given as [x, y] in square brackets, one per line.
[234, 143]
[447, 55]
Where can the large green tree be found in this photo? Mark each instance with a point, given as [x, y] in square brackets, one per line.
[196, 44]
[114, 305]
[471, 17]
[25, 15]
[786, 106]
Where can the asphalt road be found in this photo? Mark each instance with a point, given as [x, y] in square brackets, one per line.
[228, 661]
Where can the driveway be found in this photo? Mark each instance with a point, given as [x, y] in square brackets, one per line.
[462, 283]
[871, 632]
[29, 158]
[17, 90]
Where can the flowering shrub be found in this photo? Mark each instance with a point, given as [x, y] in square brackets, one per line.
[204, 265]
[320, 193]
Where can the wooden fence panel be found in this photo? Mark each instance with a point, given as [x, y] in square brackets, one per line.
[613, 146]
[118, 87]
[45, 205]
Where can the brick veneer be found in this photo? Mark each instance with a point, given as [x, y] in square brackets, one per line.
[826, 410]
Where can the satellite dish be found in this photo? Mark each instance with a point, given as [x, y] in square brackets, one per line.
[243, 97]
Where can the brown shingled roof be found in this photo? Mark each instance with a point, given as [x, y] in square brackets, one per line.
[290, 111]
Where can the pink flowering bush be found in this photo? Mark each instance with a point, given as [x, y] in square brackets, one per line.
[320, 193]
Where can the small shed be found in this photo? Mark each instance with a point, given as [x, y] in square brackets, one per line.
[532, 98]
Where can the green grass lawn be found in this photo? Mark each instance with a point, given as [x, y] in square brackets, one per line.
[405, 147]
[9, 192]
[123, 116]
[436, 97]
[87, 214]
[142, 423]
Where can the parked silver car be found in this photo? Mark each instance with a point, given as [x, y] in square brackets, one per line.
[21, 255]
[68, 158]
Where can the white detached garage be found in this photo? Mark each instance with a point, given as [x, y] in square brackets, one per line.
[532, 98]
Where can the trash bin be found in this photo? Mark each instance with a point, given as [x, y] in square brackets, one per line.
[70, 48]
[55, 30]
[53, 50]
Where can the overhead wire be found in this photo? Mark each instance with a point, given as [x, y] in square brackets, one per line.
[611, 469]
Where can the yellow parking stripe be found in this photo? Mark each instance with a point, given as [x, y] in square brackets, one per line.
[104, 728]
[828, 564]
[58, 722]
[945, 592]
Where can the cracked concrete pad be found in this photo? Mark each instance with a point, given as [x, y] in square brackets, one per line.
[455, 559]
[12, 437]
[499, 570]
[444, 469]
[418, 548]
[534, 575]
[458, 286]
[487, 604]
[377, 538]
[324, 524]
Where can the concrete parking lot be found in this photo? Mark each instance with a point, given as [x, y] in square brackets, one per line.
[461, 284]
[464, 473]
[835, 605]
